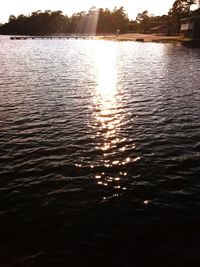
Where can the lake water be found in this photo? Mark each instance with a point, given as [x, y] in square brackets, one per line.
[99, 153]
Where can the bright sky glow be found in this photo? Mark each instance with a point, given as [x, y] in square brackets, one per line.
[133, 7]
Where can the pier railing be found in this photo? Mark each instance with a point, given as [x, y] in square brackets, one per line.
[50, 37]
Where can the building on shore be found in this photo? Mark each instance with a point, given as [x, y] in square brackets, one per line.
[159, 30]
[190, 27]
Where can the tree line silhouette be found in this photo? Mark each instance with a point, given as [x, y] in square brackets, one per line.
[96, 21]
[52, 22]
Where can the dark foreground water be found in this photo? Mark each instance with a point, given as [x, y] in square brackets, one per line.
[99, 154]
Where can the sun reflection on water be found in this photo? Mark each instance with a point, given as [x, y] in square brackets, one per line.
[113, 150]
[108, 118]
[106, 97]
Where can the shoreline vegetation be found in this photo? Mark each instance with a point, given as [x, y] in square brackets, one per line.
[105, 24]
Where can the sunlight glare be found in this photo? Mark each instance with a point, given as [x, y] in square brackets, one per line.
[106, 72]
[108, 115]
[91, 25]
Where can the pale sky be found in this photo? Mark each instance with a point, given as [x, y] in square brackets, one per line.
[133, 7]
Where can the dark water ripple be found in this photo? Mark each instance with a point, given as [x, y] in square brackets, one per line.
[99, 153]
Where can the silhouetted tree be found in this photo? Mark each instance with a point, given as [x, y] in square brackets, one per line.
[120, 20]
[143, 21]
[179, 10]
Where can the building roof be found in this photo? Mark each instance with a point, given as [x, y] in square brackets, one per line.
[190, 18]
[160, 27]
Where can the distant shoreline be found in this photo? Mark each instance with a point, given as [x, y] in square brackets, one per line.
[145, 38]
[136, 37]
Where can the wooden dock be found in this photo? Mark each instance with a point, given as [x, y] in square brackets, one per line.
[61, 37]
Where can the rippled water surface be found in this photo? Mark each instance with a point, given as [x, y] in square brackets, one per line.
[99, 153]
